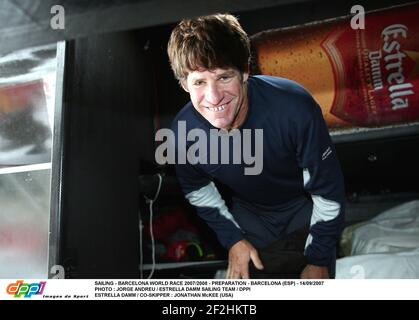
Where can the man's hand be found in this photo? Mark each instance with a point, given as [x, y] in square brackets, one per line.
[314, 272]
[238, 260]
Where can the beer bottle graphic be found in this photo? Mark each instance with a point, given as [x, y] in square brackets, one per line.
[359, 77]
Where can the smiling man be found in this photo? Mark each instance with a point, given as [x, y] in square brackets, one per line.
[219, 95]
[287, 218]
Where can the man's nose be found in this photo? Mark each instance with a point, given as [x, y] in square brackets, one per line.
[213, 94]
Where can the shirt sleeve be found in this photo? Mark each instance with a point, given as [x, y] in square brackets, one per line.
[202, 193]
[323, 179]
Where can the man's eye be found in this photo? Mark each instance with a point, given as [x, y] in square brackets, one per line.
[225, 78]
[198, 83]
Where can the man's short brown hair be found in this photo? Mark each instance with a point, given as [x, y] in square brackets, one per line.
[209, 42]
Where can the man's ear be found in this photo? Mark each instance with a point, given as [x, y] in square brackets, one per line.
[184, 85]
[245, 74]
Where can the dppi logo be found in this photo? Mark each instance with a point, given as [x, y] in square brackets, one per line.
[20, 288]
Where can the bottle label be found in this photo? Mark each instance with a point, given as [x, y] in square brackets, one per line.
[376, 69]
[359, 77]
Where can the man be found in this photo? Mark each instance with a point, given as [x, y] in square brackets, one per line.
[300, 186]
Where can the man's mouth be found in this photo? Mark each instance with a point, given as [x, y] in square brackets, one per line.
[219, 108]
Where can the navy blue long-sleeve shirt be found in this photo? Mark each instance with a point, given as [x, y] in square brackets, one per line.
[299, 166]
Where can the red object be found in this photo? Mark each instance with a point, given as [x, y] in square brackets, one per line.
[166, 224]
[22, 95]
[177, 250]
[359, 77]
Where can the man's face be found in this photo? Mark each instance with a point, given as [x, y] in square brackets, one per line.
[219, 95]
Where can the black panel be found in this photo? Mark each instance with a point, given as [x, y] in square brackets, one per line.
[27, 23]
[292, 14]
[108, 97]
[380, 166]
